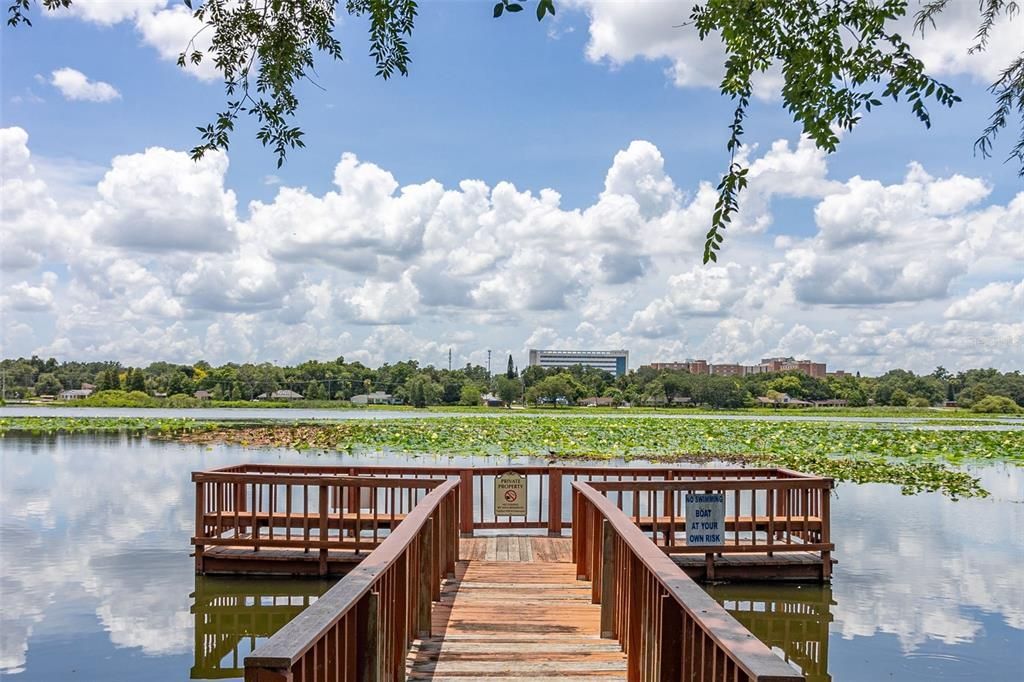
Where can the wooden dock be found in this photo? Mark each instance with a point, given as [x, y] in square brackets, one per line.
[515, 609]
[427, 603]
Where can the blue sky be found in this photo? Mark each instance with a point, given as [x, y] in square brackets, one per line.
[607, 106]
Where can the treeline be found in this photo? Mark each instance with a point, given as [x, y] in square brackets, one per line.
[410, 383]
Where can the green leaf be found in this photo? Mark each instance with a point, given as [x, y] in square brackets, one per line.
[514, 7]
[498, 9]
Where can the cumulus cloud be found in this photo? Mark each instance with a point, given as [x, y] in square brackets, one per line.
[902, 242]
[701, 291]
[990, 302]
[75, 85]
[169, 30]
[156, 260]
[163, 200]
[621, 32]
[25, 297]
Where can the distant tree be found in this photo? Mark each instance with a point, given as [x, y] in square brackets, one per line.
[316, 391]
[470, 395]
[507, 389]
[510, 370]
[136, 380]
[47, 384]
[996, 404]
[422, 391]
[789, 385]
[552, 388]
[899, 398]
[108, 380]
[236, 392]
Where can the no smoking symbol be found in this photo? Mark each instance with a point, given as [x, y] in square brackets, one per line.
[510, 496]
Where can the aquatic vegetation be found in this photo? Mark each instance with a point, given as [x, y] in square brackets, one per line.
[918, 459]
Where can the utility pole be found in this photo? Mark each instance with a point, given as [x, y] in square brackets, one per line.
[449, 359]
[488, 364]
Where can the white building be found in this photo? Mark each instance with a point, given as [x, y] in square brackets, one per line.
[375, 398]
[75, 394]
[613, 361]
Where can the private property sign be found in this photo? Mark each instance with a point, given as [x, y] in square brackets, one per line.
[705, 518]
[510, 494]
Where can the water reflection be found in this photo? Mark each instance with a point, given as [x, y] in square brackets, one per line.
[231, 617]
[96, 581]
[792, 620]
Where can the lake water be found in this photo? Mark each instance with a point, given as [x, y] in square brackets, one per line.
[96, 582]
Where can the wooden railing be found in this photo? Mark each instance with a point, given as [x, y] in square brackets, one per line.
[547, 488]
[762, 515]
[299, 510]
[361, 629]
[669, 628]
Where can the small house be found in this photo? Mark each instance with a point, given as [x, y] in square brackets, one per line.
[75, 394]
[375, 398]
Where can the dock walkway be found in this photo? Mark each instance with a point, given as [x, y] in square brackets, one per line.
[516, 610]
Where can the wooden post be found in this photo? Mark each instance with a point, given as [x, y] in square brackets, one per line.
[608, 582]
[634, 624]
[435, 557]
[554, 502]
[466, 502]
[368, 635]
[425, 592]
[579, 531]
[322, 511]
[200, 524]
[826, 555]
[670, 642]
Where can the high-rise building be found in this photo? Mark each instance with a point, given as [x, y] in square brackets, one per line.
[614, 361]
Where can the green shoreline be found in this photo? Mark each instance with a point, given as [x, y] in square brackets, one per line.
[937, 413]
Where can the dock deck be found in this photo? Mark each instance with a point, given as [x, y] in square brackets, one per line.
[515, 609]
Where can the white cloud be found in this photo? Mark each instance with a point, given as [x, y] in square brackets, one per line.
[162, 200]
[169, 30]
[710, 290]
[25, 297]
[990, 302]
[891, 243]
[155, 260]
[76, 86]
[661, 31]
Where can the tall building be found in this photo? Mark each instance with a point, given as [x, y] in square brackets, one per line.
[614, 361]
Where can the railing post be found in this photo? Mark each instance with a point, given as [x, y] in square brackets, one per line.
[555, 502]
[608, 581]
[200, 524]
[670, 642]
[580, 531]
[826, 555]
[466, 502]
[368, 639]
[425, 592]
[322, 512]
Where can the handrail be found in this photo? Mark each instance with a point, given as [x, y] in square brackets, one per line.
[352, 626]
[547, 486]
[669, 627]
[761, 515]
